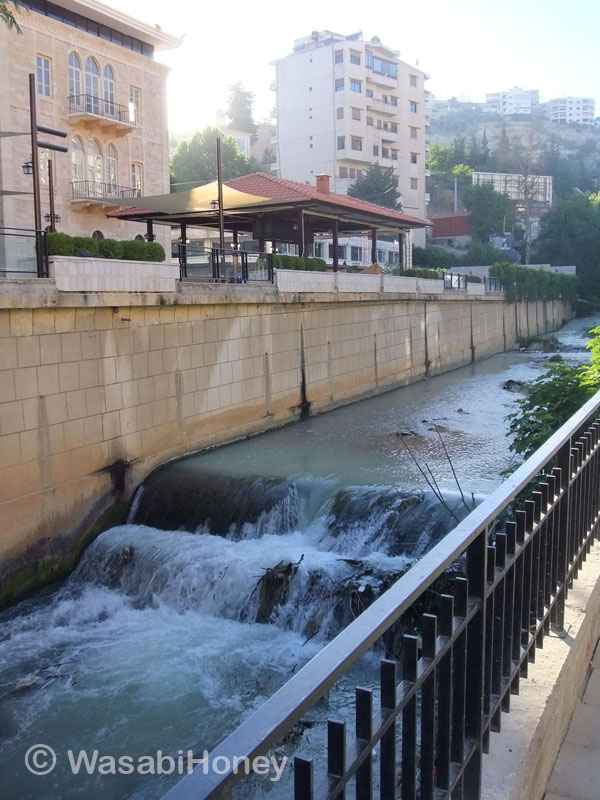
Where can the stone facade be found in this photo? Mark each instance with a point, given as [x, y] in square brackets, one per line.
[134, 139]
[96, 390]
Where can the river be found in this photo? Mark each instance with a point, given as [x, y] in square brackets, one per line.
[166, 637]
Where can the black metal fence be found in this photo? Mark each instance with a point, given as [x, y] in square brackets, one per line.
[454, 281]
[224, 266]
[89, 190]
[493, 284]
[23, 252]
[470, 616]
[90, 104]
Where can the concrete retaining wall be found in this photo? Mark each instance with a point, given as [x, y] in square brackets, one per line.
[97, 389]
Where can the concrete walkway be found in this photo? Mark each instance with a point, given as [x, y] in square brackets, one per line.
[576, 772]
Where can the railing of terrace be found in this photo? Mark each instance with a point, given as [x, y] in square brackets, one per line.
[470, 616]
[23, 252]
[224, 266]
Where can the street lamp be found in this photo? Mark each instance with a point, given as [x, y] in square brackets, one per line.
[28, 168]
[48, 217]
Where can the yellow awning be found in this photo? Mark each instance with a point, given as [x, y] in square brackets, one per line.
[192, 200]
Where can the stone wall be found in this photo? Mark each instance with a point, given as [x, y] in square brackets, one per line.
[97, 389]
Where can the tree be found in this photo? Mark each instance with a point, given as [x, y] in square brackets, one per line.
[195, 160]
[527, 165]
[489, 210]
[240, 109]
[441, 158]
[7, 16]
[377, 185]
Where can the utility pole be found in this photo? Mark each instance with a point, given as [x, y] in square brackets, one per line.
[51, 196]
[220, 196]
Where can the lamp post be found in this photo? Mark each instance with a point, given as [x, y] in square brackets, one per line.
[35, 161]
[220, 196]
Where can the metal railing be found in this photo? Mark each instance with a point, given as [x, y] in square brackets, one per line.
[222, 265]
[493, 284]
[455, 282]
[466, 642]
[90, 104]
[24, 252]
[90, 190]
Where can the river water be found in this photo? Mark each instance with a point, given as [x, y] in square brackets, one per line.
[168, 633]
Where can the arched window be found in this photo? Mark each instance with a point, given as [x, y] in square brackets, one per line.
[109, 91]
[139, 238]
[94, 169]
[92, 86]
[77, 163]
[110, 169]
[98, 236]
[74, 79]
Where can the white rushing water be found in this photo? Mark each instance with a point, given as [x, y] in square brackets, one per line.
[154, 642]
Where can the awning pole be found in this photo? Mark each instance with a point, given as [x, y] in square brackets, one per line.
[220, 196]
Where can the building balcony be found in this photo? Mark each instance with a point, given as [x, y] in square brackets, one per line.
[87, 108]
[96, 193]
[381, 106]
[382, 80]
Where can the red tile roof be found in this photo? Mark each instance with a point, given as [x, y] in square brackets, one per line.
[264, 185]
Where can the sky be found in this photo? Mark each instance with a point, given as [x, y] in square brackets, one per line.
[468, 47]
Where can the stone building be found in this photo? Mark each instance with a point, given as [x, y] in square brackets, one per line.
[97, 80]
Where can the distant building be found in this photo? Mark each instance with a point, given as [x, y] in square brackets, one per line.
[538, 187]
[96, 79]
[514, 101]
[343, 104]
[566, 110]
[259, 145]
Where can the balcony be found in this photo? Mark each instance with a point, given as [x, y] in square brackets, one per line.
[379, 79]
[381, 106]
[87, 108]
[96, 193]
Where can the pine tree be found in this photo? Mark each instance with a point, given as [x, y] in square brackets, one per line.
[7, 16]
[377, 185]
[240, 109]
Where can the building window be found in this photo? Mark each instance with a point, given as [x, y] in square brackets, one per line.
[77, 160]
[393, 100]
[74, 75]
[413, 107]
[356, 113]
[384, 98]
[110, 167]
[413, 80]
[356, 253]
[394, 155]
[355, 86]
[394, 127]
[369, 120]
[339, 84]
[98, 236]
[343, 172]
[379, 65]
[340, 112]
[369, 92]
[94, 167]
[380, 256]
[241, 144]
[341, 251]
[136, 177]
[109, 90]
[355, 57]
[385, 152]
[351, 172]
[359, 173]
[414, 183]
[379, 124]
[375, 150]
[92, 87]
[339, 56]
[413, 158]
[385, 126]
[135, 105]
[341, 142]
[43, 76]
[413, 132]
[356, 143]
[318, 249]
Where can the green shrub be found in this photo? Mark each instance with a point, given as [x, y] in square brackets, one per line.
[316, 264]
[473, 279]
[288, 262]
[135, 250]
[156, 252]
[430, 274]
[524, 283]
[434, 257]
[110, 248]
[480, 254]
[60, 244]
[85, 246]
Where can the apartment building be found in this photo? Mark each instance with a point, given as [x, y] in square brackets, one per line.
[566, 110]
[344, 103]
[514, 101]
[97, 80]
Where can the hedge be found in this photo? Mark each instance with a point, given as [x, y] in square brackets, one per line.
[524, 283]
[473, 279]
[297, 262]
[61, 244]
[430, 274]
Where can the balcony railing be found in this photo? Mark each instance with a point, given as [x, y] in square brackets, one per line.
[97, 190]
[224, 266]
[97, 106]
[23, 253]
[466, 622]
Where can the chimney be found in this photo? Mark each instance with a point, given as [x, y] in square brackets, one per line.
[323, 183]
